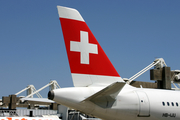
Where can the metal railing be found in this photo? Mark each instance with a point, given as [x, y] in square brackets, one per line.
[26, 112]
[8, 113]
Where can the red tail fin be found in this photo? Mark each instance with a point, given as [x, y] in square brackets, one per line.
[88, 62]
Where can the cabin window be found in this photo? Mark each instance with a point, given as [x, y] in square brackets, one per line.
[163, 103]
[177, 104]
[168, 103]
[172, 103]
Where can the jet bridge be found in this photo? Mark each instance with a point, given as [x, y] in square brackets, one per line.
[12, 101]
[162, 74]
[175, 79]
[53, 85]
[30, 89]
[157, 63]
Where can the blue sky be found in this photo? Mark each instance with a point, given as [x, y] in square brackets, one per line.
[132, 33]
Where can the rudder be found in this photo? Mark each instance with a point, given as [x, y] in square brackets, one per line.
[88, 62]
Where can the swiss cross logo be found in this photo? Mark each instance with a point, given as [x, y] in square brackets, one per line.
[84, 47]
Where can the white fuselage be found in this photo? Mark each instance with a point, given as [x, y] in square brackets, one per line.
[131, 103]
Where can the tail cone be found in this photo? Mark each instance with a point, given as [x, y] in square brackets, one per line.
[51, 95]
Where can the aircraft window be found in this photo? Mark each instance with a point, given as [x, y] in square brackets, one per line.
[163, 103]
[168, 103]
[177, 104]
[172, 103]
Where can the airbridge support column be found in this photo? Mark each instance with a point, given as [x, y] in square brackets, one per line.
[54, 106]
[162, 76]
[12, 104]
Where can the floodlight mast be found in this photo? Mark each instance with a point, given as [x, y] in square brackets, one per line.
[158, 63]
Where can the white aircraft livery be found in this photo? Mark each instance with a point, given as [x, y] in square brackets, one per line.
[99, 90]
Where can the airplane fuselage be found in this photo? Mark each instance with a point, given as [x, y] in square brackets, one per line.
[131, 103]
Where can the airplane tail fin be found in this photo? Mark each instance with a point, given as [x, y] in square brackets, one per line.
[88, 62]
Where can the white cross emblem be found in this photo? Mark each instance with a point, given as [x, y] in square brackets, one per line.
[84, 47]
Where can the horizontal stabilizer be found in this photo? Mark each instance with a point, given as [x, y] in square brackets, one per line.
[37, 100]
[107, 96]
